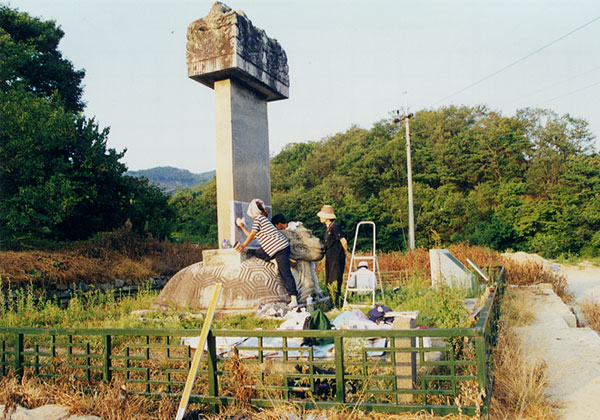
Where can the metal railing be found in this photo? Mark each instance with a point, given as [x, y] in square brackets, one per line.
[382, 370]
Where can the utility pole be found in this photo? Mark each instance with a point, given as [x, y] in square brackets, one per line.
[411, 216]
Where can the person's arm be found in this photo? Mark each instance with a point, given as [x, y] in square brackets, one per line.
[344, 243]
[245, 230]
[337, 231]
[251, 236]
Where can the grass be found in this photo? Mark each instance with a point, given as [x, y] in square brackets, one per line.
[577, 259]
[519, 388]
[591, 311]
[111, 402]
[121, 254]
[442, 308]
[100, 310]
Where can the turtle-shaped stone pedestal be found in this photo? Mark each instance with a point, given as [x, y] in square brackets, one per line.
[247, 281]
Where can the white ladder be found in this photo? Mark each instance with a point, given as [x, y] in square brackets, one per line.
[372, 288]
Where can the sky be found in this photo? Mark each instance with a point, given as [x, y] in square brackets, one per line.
[351, 62]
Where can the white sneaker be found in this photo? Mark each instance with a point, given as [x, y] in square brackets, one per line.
[293, 302]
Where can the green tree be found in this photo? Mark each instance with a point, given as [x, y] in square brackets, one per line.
[196, 211]
[30, 59]
[553, 140]
[58, 178]
[526, 182]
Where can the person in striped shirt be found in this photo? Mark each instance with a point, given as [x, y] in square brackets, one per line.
[273, 245]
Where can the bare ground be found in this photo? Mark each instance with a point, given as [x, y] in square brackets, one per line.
[570, 349]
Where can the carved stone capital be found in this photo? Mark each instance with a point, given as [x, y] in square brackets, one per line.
[225, 45]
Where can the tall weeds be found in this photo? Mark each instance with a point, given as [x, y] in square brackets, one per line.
[120, 254]
[109, 402]
[530, 272]
[591, 311]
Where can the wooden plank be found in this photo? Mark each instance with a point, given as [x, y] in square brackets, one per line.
[198, 353]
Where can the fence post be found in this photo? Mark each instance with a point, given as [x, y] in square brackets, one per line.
[405, 364]
[3, 358]
[106, 362]
[19, 355]
[340, 386]
[482, 366]
[213, 381]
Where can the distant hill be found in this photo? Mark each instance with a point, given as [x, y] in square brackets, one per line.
[171, 179]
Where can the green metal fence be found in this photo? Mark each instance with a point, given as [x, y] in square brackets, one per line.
[383, 370]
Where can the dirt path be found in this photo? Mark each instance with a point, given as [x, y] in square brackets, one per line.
[571, 353]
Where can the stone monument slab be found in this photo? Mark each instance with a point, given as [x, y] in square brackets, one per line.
[448, 270]
[239, 209]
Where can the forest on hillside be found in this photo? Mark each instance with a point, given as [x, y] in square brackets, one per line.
[525, 182]
[170, 179]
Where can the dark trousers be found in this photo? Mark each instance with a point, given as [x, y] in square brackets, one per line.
[283, 265]
[335, 263]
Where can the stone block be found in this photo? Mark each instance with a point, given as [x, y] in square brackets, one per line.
[226, 45]
[106, 287]
[222, 257]
[63, 294]
[447, 270]
[62, 286]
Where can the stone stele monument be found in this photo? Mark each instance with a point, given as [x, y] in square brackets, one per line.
[246, 69]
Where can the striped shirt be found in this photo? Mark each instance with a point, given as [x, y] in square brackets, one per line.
[270, 239]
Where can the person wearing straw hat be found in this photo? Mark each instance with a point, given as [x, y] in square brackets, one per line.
[336, 247]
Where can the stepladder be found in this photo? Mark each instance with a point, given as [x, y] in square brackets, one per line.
[364, 275]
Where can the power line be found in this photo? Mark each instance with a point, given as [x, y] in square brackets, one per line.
[569, 93]
[518, 61]
[568, 79]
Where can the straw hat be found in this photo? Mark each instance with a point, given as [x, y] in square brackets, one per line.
[326, 212]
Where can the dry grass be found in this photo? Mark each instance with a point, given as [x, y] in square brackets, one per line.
[591, 311]
[410, 261]
[113, 402]
[110, 402]
[516, 308]
[526, 273]
[119, 254]
[403, 266]
[291, 412]
[519, 388]
[41, 267]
